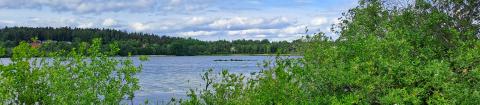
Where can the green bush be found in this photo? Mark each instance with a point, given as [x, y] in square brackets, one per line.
[386, 54]
[84, 75]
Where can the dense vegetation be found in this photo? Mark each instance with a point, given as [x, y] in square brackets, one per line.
[53, 39]
[389, 52]
[87, 75]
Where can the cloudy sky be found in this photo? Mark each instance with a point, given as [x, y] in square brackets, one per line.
[201, 19]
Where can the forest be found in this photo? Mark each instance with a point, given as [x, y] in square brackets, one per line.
[65, 38]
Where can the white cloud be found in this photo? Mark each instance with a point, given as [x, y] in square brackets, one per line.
[109, 22]
[335, 21]
[197, 20]
[253, 32]
[294, 30]
[317, 21]
[36, 19]
[4, 23]
[186, 5]
[197, 33]
[67, 21]
[139, 26]
[64, 21]
[86, 25]
[261, 36]
[7, 21]
[239, 23]
[228, 23]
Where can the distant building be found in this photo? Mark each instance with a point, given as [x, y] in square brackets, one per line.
[36, 44]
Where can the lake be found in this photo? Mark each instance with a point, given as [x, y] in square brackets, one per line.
[164, 77]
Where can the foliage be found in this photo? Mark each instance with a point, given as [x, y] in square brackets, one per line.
[86, 75]
[64, 38]
[387, 53]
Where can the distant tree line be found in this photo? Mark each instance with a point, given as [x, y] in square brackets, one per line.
[66, 38]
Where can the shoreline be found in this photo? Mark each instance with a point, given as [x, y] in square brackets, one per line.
[207, 55]
[221, 55]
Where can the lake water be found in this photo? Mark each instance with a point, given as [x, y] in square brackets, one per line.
[172, 76]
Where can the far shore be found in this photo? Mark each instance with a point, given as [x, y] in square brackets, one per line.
[225, 55]
[211, 55]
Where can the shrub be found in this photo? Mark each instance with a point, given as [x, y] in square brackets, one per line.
[84, 75]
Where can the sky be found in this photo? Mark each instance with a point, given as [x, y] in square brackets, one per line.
[275, 20]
